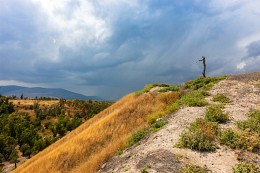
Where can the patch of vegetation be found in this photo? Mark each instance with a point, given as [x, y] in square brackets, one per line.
[136, 137]
[240, 140]
[158, 125]
[246, 168]
[194, 98]
[194, 169]
[215, 113]
[248, 140]
[253, 122]
[119, 152]
[228, 137]
[126, 169]
[170, 88]
[148, 87]
[172, 108]
[34, 131]
[144, 169]
[201, 82]
[221, 98]
[201, 135]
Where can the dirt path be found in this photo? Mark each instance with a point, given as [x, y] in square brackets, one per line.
[158, 151]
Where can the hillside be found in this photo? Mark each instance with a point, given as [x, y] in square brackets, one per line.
[164, 147]
[158, 152]
[33, 92]
[87, 147]
[29, 126]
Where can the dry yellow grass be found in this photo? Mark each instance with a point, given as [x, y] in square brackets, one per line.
[31, 102]
[86, 148]
[22, 106]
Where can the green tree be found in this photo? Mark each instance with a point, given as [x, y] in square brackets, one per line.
[1, 158]
[14, 157]
[24, 148]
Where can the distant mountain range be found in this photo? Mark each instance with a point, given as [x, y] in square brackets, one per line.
[13, 90]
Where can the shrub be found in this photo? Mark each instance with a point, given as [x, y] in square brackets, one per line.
[163, 85]
[246, 168]
[248, 140]
[214, 113]
[202, 82]
[136, 137]
[228, 137]
[170, 88]
[253, 122]
[158, 125]
[240, 139]
[194, 169]
[194, 98]
[188, 84]
[221, 98]
[201, 136]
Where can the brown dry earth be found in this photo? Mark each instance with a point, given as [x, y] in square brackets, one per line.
[158, 149]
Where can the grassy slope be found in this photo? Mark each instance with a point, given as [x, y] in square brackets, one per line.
[92, 143]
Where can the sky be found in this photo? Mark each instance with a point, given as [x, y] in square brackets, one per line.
[110, 48]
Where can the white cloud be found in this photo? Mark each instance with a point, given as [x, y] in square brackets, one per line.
[19, 83]
[241, 65]
[72, 25]
[244, 42]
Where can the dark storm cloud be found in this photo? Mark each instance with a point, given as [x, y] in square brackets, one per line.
[110, 48]
[253, 50]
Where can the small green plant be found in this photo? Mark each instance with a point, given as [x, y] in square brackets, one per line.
[253, 122]
[194, 98]
[201, 135]
[144, 169]
[246, 168]
[221, 98]
[170, 88]
[158, 125]
[136, 137]
[228, 137]
[126, 169]
[119, 152]
[193, 169]
[148, 87]
[214, 113]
